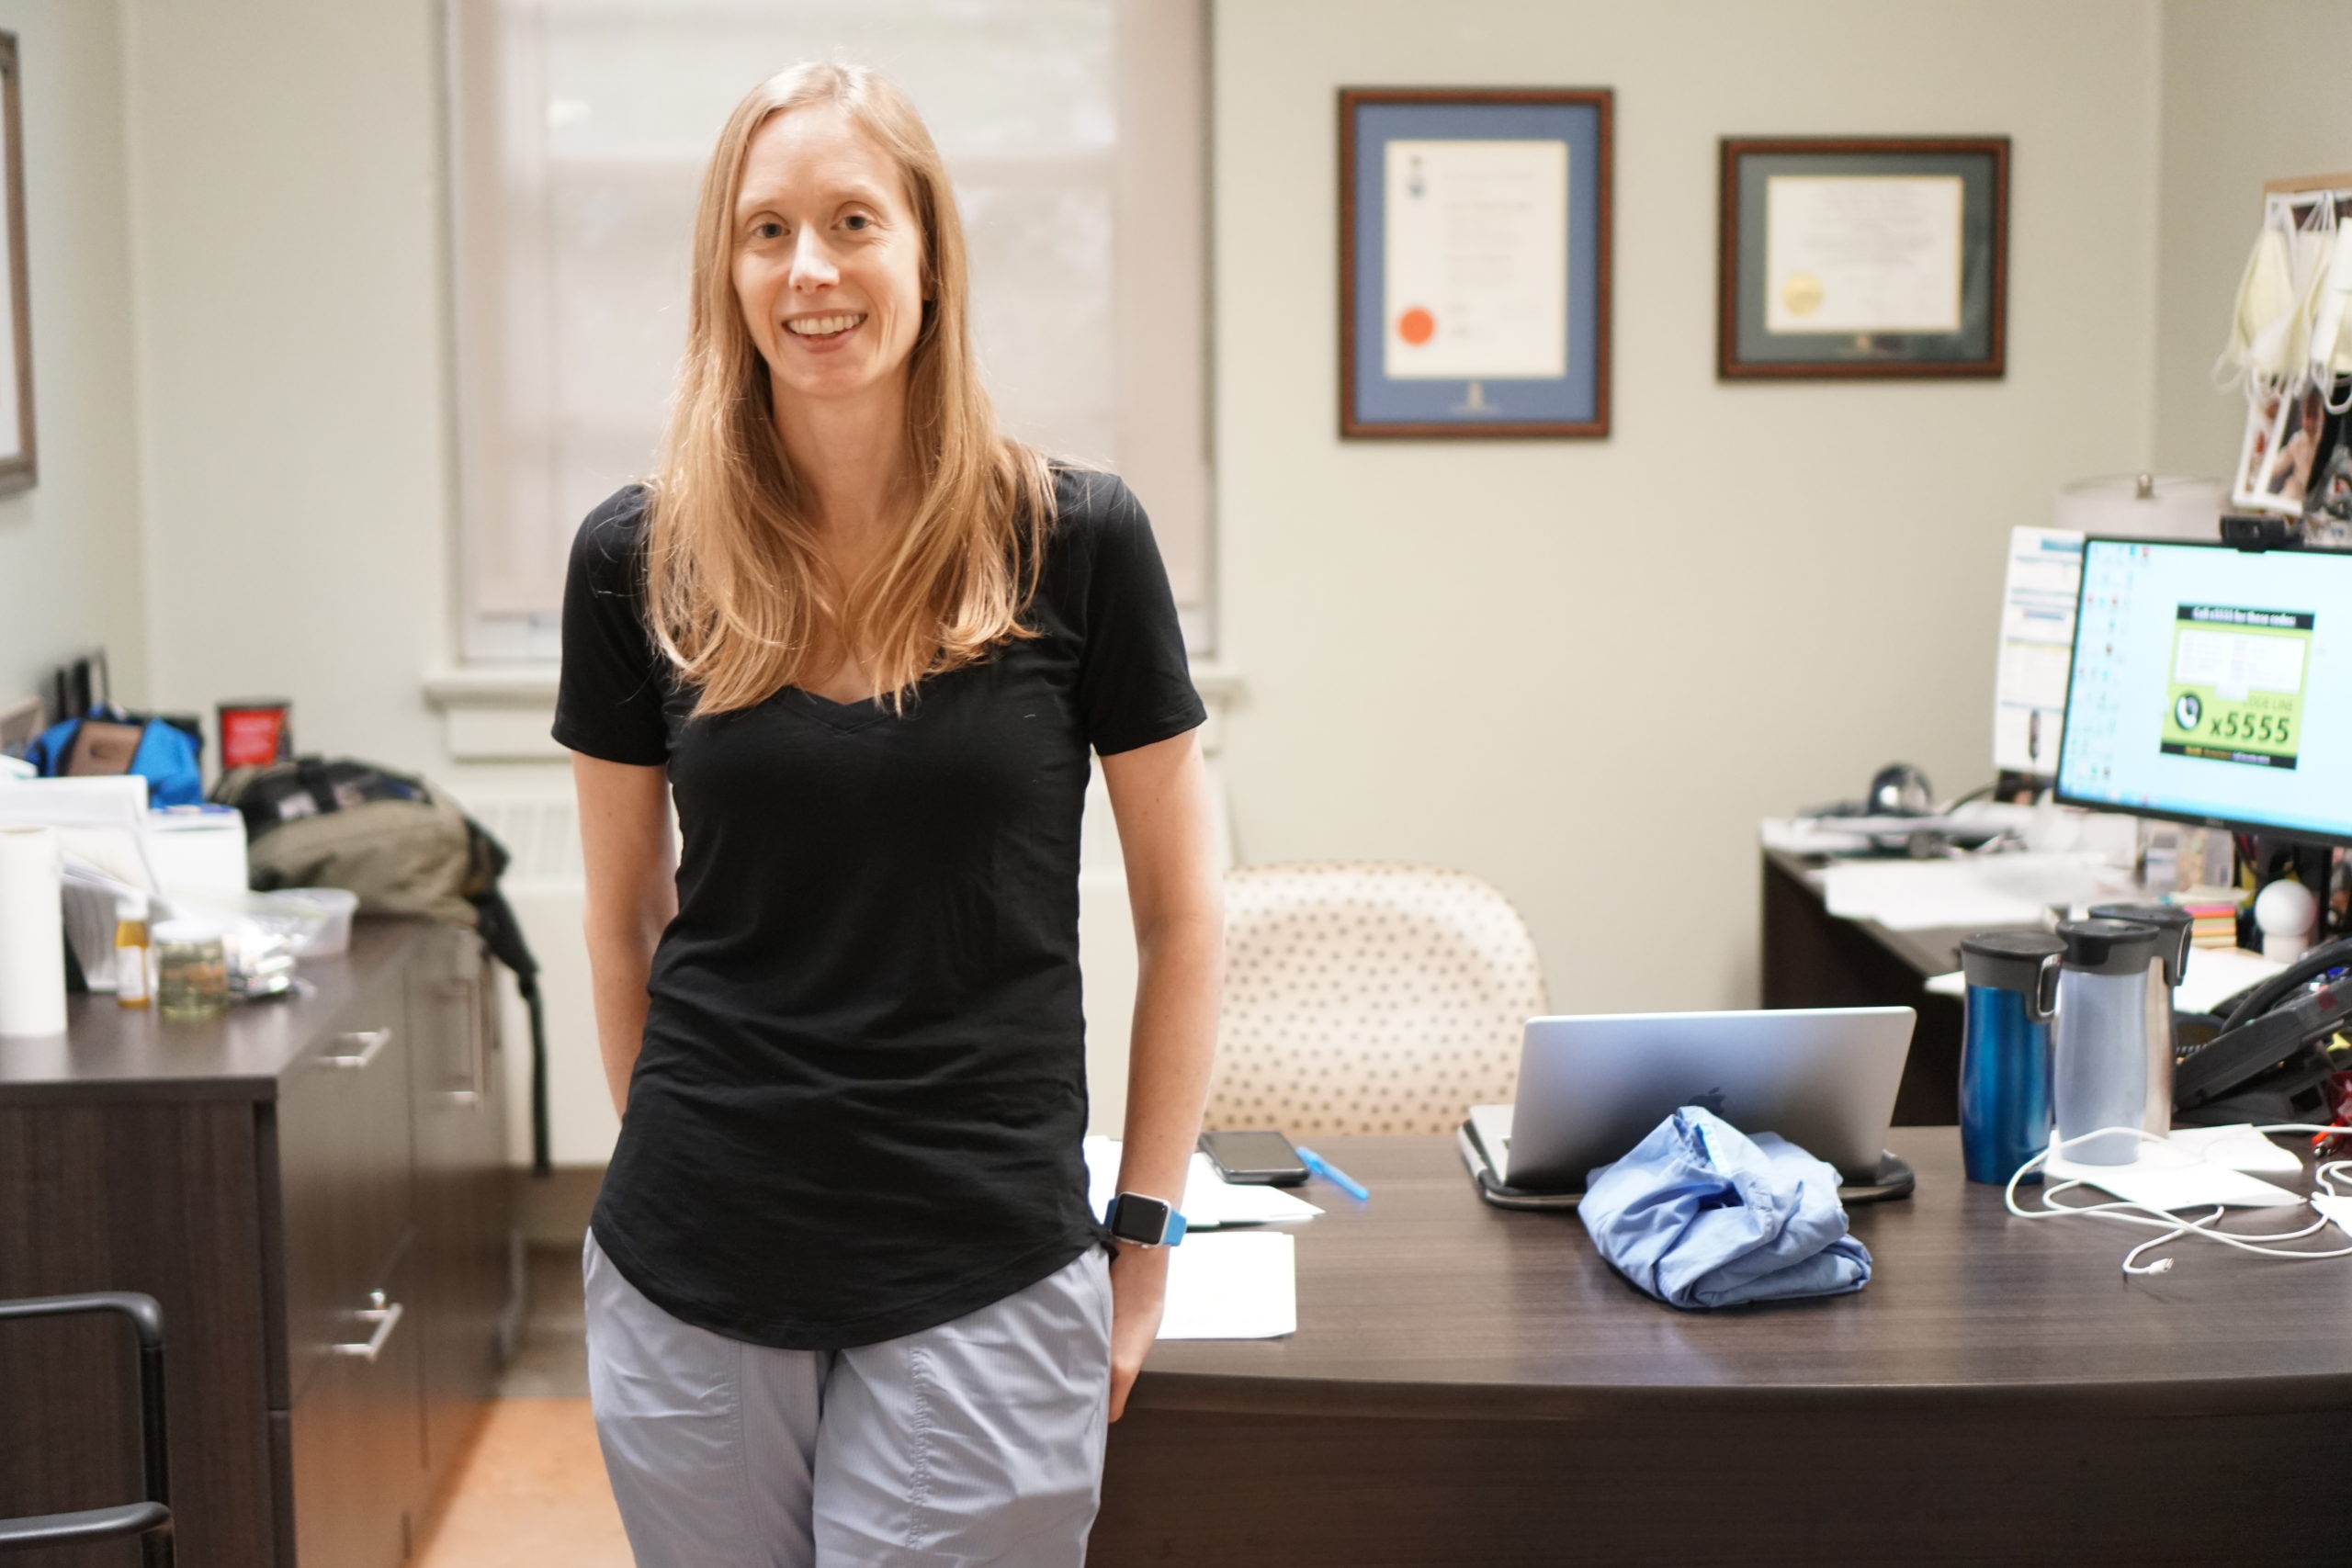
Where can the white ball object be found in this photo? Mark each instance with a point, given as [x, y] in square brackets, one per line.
[2284, 910]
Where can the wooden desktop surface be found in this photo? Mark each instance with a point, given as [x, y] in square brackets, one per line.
[1469, 1383]
[1427, 1299]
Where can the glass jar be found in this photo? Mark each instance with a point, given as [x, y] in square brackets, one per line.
[191, 970]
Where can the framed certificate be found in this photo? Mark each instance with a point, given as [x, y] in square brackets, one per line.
[18, 469]
[1474, 261]
[1862, 257]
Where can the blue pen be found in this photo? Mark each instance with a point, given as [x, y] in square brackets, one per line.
[1333, 1174]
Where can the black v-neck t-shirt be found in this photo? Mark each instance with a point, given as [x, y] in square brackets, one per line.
[859, 1102]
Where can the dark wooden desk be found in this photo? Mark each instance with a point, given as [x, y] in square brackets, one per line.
[1814, 959]
[1477, 1387]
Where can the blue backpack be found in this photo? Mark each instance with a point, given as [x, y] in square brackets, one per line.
[168, 757]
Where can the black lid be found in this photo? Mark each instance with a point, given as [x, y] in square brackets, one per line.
[2110, 947]
[2178, 925]
[2007, 961]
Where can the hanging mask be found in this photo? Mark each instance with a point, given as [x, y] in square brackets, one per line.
[2331, 336]
[2263, 345]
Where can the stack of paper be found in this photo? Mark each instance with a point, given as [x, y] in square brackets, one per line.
[1237, 1285]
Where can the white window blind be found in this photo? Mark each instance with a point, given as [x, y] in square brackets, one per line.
[1075, 132]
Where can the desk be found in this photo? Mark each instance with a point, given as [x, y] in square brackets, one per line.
[1471, 1386]
[1814, 959]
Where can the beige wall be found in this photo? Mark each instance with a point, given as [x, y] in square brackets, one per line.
[1584, 669]
[294, 408]
[2252, 91]
[70, 570]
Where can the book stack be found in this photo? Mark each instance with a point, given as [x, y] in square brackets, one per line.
[2215, 911]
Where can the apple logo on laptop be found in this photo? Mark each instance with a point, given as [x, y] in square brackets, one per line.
[1712, 1101]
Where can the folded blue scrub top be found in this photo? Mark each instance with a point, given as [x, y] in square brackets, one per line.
[1702, 1215]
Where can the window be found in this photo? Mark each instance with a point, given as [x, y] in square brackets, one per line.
[1075, 132]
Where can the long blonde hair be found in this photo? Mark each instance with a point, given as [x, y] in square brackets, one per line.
[735, 593]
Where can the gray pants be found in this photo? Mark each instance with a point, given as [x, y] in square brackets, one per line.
[976, 1442]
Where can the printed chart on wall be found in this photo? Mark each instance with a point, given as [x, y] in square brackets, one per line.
[2213, 684]
[2037, 642]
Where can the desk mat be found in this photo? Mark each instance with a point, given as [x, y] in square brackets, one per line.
[1894, 1178]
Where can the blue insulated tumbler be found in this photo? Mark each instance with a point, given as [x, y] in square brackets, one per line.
[2005, 1050]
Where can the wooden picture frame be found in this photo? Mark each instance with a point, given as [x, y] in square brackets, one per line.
[1523, 348]
[1897, 246]
[17, 466]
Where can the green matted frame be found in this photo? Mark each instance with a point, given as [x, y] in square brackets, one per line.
[1745, 351]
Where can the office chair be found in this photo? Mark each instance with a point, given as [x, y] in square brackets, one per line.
[1368, 998]
[150, 1520]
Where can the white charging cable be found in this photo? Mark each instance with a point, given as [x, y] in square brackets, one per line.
[2124, 1211]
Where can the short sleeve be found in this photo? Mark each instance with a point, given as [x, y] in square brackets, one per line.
[608, 696]
[1133, 685]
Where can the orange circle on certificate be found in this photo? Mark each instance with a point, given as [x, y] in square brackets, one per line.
[1417, 326]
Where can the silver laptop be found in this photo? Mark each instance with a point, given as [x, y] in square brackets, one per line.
[1589, 1089]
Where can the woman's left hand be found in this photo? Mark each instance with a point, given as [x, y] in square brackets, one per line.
[1138, 1288]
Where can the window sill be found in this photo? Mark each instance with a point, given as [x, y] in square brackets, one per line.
[499, 712]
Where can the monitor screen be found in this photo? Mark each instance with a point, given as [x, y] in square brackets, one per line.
[2213, 685]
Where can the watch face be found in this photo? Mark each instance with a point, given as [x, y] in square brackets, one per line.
[1138, 1219]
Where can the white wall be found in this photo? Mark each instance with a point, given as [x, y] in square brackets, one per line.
[70, 574]
[294, 408]
[1584, 669]
[2253, 90]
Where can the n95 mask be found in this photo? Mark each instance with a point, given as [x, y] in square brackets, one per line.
[2331, 334]
[2266, 339]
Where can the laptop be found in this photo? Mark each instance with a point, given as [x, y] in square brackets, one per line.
[1591, 1088]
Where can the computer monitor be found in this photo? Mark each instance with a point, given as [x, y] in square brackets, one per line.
[2212, 685]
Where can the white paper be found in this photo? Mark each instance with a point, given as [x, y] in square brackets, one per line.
[2214, 973]
[102, 818]
[2236, 1148]
[1474, 260]
[1209, 1199]
[1968, 890]
[2173, 1177]
[1861, 254]
[2334, 1208]
[2045, 576]
[1232, 1285]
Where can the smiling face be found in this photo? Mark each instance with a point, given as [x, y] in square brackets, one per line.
[829, 257]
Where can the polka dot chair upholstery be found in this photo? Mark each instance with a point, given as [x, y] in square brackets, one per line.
[1368, 998]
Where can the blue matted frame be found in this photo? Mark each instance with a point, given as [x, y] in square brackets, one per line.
[1373, 404]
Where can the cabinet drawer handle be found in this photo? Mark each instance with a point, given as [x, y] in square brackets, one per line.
[369, 1041]
[385, 1316]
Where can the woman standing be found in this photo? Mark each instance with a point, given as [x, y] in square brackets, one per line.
[847, 1303]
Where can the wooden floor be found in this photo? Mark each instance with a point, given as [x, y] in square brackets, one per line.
[532, 1493]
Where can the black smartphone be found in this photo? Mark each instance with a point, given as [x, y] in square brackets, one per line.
[1265, 1159]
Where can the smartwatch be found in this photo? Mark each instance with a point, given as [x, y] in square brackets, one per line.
[1143, 1222]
